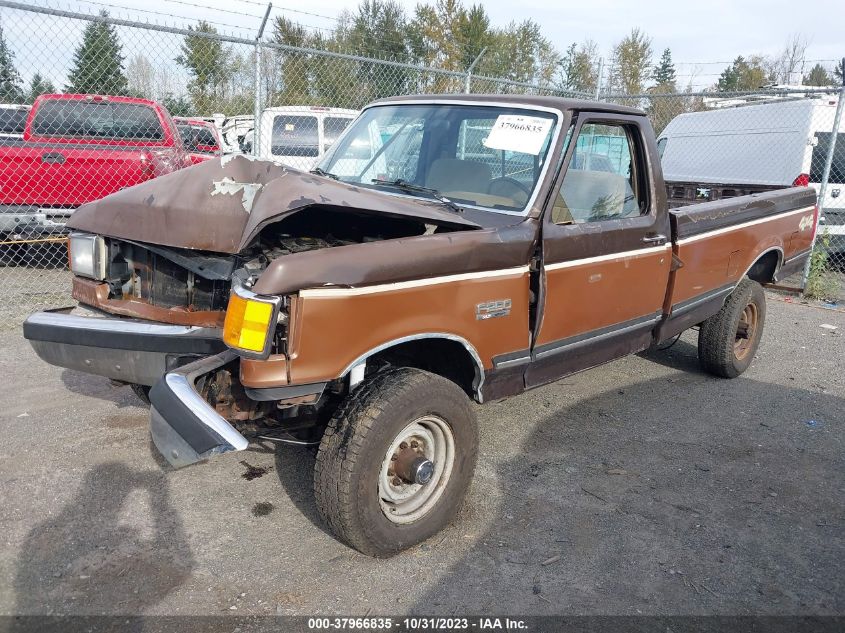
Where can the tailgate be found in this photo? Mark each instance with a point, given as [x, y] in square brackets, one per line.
[68, 176]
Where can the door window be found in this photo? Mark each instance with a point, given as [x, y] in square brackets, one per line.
[333, 127]
[602, 181]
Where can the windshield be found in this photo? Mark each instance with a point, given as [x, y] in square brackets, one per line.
[481, 156]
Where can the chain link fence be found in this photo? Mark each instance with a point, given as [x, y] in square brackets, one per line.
[173, 97]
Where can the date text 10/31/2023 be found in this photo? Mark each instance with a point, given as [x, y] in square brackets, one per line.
[416, 624]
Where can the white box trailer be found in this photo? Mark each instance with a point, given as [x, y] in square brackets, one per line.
[756, 147]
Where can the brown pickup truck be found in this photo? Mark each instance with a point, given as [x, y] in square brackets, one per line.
[446, 249]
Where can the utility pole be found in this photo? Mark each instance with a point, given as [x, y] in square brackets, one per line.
[600, 77]
[467, 87]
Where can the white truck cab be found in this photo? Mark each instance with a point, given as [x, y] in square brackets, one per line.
[300, 135]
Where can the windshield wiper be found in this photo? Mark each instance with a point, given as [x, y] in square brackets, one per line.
[324, 173]
[409, 186]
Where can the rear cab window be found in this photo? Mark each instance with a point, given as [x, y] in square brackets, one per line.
[97, 120]
[295, 135]
[197, 139]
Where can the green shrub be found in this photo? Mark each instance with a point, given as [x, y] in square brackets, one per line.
[821, 282]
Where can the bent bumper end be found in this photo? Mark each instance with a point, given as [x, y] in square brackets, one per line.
[185, 428]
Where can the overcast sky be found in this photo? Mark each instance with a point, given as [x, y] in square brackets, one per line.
[698, 33]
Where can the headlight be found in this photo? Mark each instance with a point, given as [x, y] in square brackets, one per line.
[251, 322]
[87, 255]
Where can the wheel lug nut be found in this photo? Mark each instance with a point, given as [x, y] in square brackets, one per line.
[393, 458]
[414, 443]
[403, 445]
[397, 481]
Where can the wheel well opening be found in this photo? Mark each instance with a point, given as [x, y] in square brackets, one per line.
[443, 357]
[764, 269]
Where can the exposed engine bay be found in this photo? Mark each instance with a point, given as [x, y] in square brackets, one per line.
[171, 277]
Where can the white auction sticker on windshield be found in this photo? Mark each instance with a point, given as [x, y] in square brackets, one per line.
[518, 133]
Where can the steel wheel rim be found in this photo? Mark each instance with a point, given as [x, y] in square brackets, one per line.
[746, 331]
[408, 502]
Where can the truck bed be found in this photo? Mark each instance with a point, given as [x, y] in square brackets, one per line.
[715, 244]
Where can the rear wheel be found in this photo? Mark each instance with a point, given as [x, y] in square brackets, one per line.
[396, 461]
[729, 339]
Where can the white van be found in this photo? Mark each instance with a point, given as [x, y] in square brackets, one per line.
[300, 135]
[756, 147]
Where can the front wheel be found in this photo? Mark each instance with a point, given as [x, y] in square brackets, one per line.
[729, 339]
[396, 461]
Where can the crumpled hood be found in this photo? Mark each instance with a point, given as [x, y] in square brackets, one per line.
[221, 204]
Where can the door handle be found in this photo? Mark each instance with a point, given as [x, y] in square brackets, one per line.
[53, 157]
[655, 239]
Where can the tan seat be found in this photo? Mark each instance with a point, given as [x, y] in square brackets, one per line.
[560, 212]
[454, 174]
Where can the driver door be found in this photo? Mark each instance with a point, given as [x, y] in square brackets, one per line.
[605, 251]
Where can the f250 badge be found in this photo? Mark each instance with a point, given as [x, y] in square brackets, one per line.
[491, 309]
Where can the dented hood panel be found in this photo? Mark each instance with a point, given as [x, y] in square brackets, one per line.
[220, 205]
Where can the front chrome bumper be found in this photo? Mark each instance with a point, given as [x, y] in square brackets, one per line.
[185, 428]
[171, 358]
[128, 350]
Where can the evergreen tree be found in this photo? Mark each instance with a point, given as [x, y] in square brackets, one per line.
[178, 106]
[742, 74]
[817, 76]
[664, 71]
[209, 62]
[39, 85]
[98, 62]
[839, 72]
[10, 80]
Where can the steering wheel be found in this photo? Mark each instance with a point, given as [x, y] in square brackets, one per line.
[506, 187]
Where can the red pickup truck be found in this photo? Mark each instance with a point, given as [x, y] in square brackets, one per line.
[79, 148]
[201, 139]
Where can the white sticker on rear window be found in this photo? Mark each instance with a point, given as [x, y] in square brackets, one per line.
[518, 133]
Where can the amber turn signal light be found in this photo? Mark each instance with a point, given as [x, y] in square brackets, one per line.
[248, 324]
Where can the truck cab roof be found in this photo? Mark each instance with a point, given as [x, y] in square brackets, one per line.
[528, 101]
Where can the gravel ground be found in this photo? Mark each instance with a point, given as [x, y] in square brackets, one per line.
[643, 486]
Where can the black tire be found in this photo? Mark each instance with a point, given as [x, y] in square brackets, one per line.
[354, 447]
[143, 393]
[723, 349]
